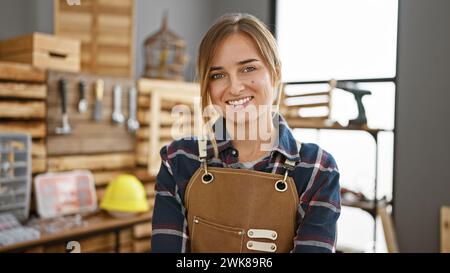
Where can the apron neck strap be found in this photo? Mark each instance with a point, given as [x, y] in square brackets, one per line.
[202, 150]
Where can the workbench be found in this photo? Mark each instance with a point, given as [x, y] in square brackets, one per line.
[95, 225]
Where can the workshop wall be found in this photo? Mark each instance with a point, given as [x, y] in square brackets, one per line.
[421, 184]
[190, 19]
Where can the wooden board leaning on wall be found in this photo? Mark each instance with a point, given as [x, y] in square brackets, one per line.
[156, 100]
[106, 31]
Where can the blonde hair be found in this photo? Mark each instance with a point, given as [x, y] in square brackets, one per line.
[225, 26]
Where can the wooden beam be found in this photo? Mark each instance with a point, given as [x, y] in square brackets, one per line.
[19, 109]
[21, 90]
[92, 162]
[36, 129]
[21, 72]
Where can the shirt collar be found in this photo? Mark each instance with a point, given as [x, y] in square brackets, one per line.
[286, 144]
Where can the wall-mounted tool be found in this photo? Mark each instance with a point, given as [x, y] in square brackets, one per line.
[65, 129]
[133, 124]
[117, 115]
[82, 103]
[358, 94]
[99, 89]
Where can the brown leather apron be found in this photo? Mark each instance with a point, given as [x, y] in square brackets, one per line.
[240, 211]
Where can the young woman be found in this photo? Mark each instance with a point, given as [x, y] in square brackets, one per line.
[250, 187]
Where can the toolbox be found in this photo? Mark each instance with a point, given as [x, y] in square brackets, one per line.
[43, 51]
[15, 174]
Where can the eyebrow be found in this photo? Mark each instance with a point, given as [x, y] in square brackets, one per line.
[239, 63]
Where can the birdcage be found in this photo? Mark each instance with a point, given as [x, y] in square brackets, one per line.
[165, 54]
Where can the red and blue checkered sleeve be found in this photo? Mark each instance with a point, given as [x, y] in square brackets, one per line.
[319, 207]
[169, 225]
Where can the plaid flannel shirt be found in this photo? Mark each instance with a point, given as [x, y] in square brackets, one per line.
[316, 177]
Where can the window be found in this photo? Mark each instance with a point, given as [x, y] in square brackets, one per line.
[347, 40]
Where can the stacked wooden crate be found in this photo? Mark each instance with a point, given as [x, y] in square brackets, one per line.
[105, 28]
[23, 92]
[156, 100]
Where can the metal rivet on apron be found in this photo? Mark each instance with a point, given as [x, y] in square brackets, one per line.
[274, 235]
[249, 244]
[250, 233]
[240, 233]
[207, 178]
[272, 247]
[281, 186]
[196, 221]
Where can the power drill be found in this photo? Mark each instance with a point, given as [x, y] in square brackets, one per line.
[358, 94]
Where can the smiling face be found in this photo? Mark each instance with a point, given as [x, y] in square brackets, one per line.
[239, 79]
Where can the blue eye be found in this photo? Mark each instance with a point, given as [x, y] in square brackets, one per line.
[216, 76]
[249, 69]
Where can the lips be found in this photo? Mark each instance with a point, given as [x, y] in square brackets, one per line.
[240, 101]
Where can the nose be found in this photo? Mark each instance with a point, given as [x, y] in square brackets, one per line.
[236, 85]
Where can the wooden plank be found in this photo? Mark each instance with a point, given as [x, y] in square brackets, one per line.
[45, 60]
[38, 165]
[103, 178]
[81, 129]
[38, 149]
[113, 59]
[142, 246]
[22, 90]
[126, 248]
[21, 72]
[161, 118]
[92, 162]
[36, 41]
[126, 4]
[142, 230]
[389, 230]
[144, 102]
[184, 89]
[21, 109]
[114, 21]
[143, 175]
[445, 229]
[100, 243]
[57, 145]
[36, 129]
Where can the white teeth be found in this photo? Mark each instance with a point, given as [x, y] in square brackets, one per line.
[240, 101]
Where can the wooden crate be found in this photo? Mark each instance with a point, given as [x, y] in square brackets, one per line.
[42, 51]
[23, 94]
[310, 106]
[106, 31]
[156, 99]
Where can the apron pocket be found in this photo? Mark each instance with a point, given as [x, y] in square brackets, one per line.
[215, 238]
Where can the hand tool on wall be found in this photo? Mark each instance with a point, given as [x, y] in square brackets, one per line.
[82, 103]
[133, 124]
[117, 115]
[65, 129]
[99, 89]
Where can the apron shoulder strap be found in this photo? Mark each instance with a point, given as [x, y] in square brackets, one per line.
[202, 150]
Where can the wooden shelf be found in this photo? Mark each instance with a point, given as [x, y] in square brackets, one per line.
[321, 124]
[368, 205]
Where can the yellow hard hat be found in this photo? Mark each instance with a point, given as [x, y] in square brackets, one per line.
[125, 194]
